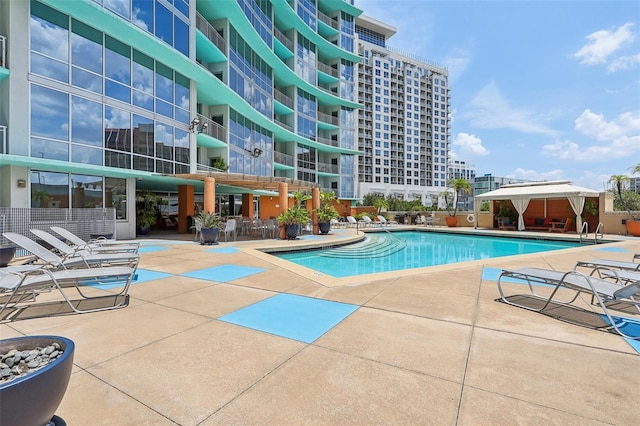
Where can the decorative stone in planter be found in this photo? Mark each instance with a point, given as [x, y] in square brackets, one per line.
[33, 398]
[6, 255]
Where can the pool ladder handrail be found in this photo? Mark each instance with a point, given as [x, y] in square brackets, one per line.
[585, 231]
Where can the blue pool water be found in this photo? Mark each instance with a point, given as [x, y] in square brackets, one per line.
[382, 252]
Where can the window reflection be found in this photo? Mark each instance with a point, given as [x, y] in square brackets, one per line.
[49, 113]
[121, 7]
[86, 119]
[86, 155]
[143, 136]
[164, 23]
[49, 190]
[86, 191]
[143, 14]
[52, 150]
[115, 195]
[164, 141]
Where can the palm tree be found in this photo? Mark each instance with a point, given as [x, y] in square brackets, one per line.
[635, 169]
[619, 182]
[458, 185]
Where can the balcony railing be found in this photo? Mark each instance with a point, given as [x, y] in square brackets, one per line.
[282, 98]
[283, 39]
[3, 51]
[328, 168]
[327, 118]
[212, 128]
[327, 141]
[328, 69]
[3, 140]
[283, 124]
[286, 159]
[328, 20]
[211, 33]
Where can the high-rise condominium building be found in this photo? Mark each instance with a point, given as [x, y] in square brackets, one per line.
[101, 98]
[403, 126]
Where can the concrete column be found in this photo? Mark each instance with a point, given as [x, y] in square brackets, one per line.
[247, 205]
[315, 204]
[186, 201]
[209, 195]
[283, 196]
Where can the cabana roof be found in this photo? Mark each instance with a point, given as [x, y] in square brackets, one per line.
[538, 190]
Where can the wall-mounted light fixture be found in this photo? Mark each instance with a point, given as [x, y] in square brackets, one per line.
[255, 152]
[196, 127]
[21, 183]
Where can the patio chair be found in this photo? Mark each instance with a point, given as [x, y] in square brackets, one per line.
[271, 228]
[605, 292]
[197, 227]
[75, 260]
[230, 229]
[562, 226]
[504, 224]
[351, 221]
[96, 245]
[19, 290]
[257, 227]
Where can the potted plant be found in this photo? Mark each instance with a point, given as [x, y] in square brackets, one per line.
[451, 197]
[220, 164]
[209, 228]
[626, 199]
[147, 211]
[326, 212]
[295, 215]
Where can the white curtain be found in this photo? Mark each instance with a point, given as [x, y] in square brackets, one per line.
[521, 205]
[577, 204]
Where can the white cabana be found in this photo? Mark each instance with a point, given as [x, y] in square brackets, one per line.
[521, 193]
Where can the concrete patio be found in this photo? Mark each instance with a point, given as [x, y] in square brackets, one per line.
[421, 346]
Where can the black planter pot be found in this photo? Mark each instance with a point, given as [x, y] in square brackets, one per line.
[325, 227]
[143, 230]
[6, 255]
[291, 231]
[34, 398]
[209, 236]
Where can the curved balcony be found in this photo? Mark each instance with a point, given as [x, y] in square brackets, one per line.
[210, 46]
[287, 18]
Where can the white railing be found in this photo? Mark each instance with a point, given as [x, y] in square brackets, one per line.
[85, 223]
[3, 51]
[3, 140]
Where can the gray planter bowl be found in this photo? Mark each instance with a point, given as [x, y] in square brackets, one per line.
[34, 398]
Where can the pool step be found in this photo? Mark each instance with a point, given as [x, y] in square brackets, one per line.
[373, 246]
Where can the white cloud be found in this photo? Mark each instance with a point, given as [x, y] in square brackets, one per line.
[469, 145]
[623, 63]
[535, 175]
[603, 43]
[457, 62]
[613, 139]
[489, 109]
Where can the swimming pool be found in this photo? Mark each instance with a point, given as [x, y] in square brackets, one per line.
[383, 252]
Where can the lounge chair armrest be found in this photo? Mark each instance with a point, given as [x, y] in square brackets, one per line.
[627, 291]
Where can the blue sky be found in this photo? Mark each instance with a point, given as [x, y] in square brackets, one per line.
[540, 90]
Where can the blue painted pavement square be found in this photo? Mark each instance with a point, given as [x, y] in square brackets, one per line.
[614, 249]
[150, 249]
[295, 317]
[224, 273]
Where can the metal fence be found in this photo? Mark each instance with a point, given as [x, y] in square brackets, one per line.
[85, 223]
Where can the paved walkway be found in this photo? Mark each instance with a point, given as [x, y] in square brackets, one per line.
[231, 335]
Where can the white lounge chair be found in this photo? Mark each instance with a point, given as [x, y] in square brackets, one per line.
[75, 260]
[366, 221]
[605, 292]
[614, 264]
[351, 221]
[19, 290]
[70, 252]
[98, 244]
